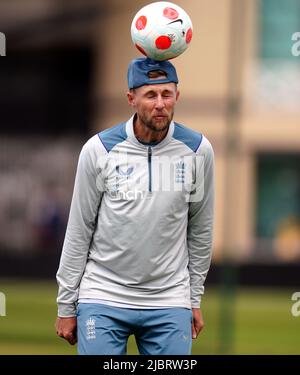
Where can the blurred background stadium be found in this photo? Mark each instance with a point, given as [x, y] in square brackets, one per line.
[64, 79]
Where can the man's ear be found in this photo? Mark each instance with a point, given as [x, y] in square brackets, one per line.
[177, 94]
[131, 98]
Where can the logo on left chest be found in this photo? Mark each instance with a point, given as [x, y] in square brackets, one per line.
[180, 172]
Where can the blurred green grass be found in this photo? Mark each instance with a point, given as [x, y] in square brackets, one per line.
[263, 321]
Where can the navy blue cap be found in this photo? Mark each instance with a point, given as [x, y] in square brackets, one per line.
[138, 70]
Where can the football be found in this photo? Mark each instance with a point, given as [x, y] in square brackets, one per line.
[161, 30]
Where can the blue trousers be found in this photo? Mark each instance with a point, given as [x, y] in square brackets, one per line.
[104, 330]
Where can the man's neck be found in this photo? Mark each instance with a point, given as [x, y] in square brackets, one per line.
[146, 135]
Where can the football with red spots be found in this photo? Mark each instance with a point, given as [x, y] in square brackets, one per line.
[161, 30]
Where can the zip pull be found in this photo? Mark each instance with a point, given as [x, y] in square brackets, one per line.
[149, 154]
[150, 168]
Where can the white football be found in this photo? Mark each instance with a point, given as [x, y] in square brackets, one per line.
[161, 30]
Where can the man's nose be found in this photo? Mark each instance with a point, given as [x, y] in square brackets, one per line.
[159, 102]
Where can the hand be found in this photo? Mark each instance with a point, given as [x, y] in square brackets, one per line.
[67, 329]
[198, 322]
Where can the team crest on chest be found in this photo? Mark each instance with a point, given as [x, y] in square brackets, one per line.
[180, 172]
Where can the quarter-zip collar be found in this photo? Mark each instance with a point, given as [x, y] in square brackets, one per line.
[132, 138]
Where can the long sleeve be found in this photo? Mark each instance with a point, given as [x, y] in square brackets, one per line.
[79, 233]
[200, 224]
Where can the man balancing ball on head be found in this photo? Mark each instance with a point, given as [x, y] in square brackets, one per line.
[139, 237]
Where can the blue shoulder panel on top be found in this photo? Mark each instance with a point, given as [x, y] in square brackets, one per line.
[112, 136]
[188, 136]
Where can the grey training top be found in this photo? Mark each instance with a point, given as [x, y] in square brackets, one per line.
[140, 226]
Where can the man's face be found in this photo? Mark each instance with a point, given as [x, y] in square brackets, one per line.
[154, 104]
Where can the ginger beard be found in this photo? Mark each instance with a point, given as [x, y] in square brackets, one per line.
[156, 122]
